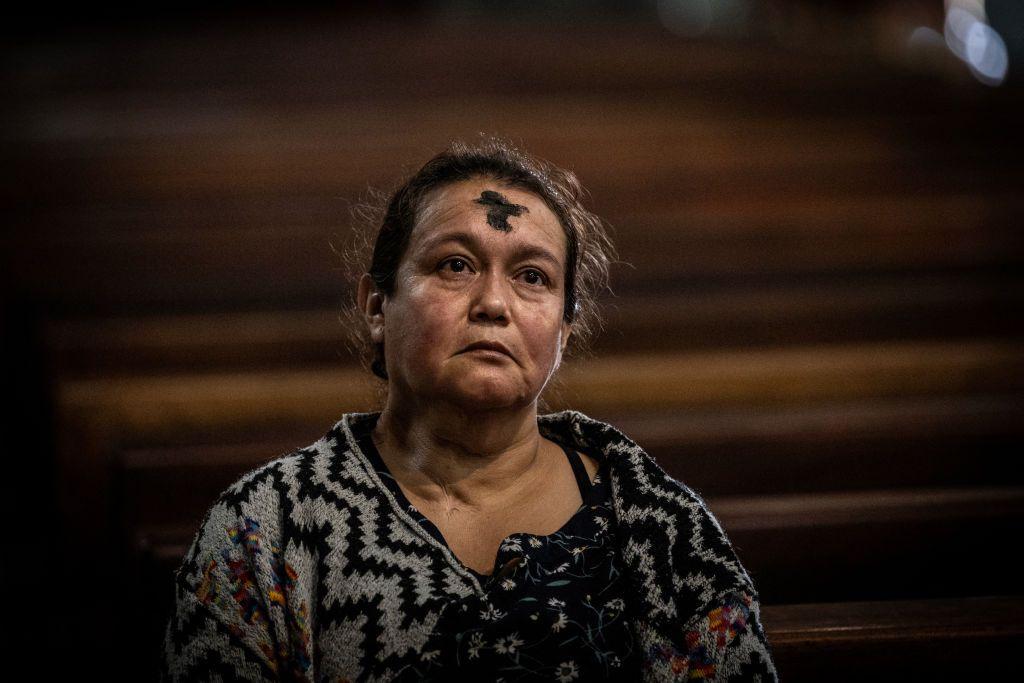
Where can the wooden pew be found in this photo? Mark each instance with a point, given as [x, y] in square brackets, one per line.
[833, 546]
[846, 447]
[101, 417]
[974, 638]
[850, 309]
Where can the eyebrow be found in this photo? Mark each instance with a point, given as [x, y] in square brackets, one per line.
[470, 241]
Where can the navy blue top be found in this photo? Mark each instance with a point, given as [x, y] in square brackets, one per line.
[554, 605]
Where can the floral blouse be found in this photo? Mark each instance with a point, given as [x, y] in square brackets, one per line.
[555, 604]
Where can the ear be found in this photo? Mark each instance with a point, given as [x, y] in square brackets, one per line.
[371, 303]
[566, 332]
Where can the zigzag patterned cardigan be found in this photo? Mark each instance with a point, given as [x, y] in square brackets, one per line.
[308, 569]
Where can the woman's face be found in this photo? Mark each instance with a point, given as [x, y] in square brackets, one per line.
[485, 264]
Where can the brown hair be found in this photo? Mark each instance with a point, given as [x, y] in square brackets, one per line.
[589, 251]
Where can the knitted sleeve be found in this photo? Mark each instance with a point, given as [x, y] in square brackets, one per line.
[200, 645]
[237, 616]
[726, 643]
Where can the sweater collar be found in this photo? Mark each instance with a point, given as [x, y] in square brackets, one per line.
[674, 551]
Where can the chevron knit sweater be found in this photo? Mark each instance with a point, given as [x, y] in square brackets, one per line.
[309, 568]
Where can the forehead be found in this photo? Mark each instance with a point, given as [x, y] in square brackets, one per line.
[496, 213]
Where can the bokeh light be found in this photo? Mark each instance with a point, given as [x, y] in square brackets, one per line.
[969, 36]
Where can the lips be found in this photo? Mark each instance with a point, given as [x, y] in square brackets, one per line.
[488, 346]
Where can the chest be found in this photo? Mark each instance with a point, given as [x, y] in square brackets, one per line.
[540, 503]
[474, 536]
[557, 613]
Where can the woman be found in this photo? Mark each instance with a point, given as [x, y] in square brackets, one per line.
[457, 533]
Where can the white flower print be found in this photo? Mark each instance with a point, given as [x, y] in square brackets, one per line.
[617, 604]
[616, 662]
[476, 641]
[579, 550]
[567, 671]
[508, 584]
[535, 542]
[512, 545]
[430, 656]
[601, 522]
[555, 602]
[491, 614]
[560, 568]
[508, 644]
[560, 623]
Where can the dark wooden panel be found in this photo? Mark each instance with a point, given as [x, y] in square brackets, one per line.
[902, 442]
[875, 544]
[943, 640]
[843, 447]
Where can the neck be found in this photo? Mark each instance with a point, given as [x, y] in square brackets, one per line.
[449, 456]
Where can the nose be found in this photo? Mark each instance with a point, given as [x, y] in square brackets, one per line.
[490, 302]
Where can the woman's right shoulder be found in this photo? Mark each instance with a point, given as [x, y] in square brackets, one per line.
[270, 479]
[327, 463]
[287, 490]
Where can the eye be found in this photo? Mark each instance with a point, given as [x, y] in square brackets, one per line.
[458, 265]
[534, 277]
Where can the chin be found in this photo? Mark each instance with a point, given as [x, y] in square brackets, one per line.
[484, 393]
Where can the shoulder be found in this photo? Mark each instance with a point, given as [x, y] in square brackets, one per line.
[671, 524]
[575, 428]
[270, 503]
[278, 481]
[668, 537]
[328, 466]
[638, 472]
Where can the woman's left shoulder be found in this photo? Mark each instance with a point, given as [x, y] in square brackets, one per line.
[636, 473]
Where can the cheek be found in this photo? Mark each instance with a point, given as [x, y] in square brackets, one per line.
[426, 327]
[434, 326]
[543, 334]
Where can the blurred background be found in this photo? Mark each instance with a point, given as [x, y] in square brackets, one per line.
[815, 321]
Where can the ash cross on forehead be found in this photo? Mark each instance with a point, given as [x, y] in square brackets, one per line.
[499, 209]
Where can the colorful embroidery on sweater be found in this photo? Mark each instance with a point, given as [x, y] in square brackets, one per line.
[704, 645]
[243, 583]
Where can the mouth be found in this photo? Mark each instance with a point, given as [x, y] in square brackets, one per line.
[494, 346]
